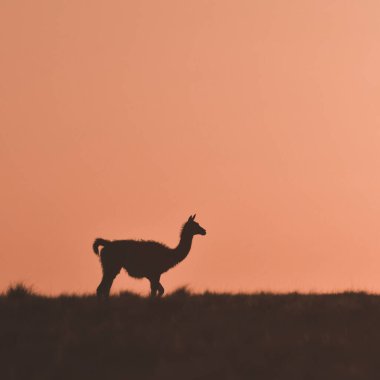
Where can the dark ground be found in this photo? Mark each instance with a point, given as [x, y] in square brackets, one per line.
[183, 336]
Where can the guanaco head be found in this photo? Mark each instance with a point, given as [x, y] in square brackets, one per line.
[193, 227]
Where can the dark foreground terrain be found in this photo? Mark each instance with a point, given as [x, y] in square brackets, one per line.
[184, 336]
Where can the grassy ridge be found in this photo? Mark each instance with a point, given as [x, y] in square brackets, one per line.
[184, 336]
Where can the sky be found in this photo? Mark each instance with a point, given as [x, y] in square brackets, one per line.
[119, 119]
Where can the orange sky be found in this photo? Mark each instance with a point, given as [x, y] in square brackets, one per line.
[122, 118]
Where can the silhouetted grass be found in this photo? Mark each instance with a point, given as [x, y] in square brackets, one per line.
[186, 336]
[19, 290]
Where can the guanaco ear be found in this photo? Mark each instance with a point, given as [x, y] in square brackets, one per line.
[194, 216]
[190, 218]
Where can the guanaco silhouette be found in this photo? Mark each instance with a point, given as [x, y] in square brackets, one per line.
[143, 259]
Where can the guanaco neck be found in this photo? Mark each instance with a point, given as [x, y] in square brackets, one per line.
[184, 246]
